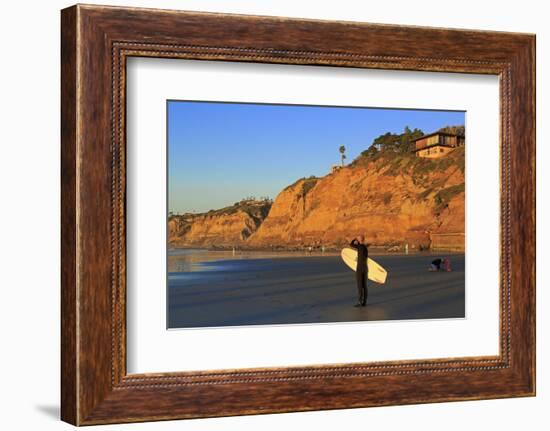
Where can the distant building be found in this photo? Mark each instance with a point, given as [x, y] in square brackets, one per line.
[436, 144]
[335, 168]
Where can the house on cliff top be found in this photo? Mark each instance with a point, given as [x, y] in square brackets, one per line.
[436, 145]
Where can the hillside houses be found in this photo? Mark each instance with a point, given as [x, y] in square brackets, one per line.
[436, 144]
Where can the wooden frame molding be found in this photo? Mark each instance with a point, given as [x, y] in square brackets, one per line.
[95, 43]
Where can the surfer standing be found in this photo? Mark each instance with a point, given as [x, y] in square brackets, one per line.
[361, 274]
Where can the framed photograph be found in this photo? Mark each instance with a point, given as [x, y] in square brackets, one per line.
[264, 214]
[254, 241]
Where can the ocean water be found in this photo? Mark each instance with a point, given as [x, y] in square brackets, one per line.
[200, 260]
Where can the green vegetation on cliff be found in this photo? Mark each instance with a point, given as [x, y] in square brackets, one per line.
[394, 152]
[391, 163]
[444, 196]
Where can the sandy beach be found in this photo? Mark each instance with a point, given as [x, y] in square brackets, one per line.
[213, 289]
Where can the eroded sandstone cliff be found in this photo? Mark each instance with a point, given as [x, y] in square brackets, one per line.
[226, 227]
[390, 198]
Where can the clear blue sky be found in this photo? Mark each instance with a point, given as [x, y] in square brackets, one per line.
[220, 153]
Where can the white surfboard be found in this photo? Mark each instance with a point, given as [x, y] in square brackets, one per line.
[376, 272]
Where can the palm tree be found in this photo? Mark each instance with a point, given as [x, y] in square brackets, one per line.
[343, 153]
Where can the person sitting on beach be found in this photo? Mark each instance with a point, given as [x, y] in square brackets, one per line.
[436, 264]
[439, 262]
[361, 274]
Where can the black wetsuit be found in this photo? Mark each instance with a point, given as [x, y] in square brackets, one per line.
[361, 275]
[437, 263]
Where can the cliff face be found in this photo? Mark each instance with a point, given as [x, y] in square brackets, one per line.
[391, 201]
[226, 227]
[390, 198]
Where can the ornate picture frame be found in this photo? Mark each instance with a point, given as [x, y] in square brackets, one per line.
[96, 41]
